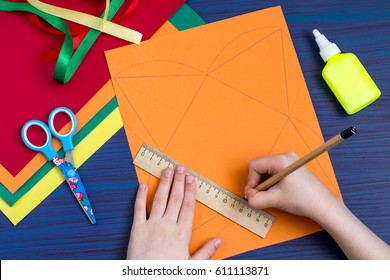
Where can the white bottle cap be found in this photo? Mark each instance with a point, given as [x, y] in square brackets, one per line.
[327, 49]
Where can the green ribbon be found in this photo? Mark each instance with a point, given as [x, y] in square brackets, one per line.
[184, 18]
[66, 64]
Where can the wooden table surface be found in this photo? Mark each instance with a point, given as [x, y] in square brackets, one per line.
[57, 229]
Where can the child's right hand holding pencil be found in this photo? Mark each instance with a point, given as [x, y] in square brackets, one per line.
[301, 193]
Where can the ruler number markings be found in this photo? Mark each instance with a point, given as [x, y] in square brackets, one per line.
[210, 194]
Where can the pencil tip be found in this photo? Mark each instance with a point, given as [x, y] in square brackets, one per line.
[348, 132]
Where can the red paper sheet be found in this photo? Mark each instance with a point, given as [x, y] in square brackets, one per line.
[28, 90]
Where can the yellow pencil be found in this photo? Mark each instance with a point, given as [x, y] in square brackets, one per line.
[302, 161]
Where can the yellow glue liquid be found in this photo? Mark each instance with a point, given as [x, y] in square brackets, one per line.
[346, 77]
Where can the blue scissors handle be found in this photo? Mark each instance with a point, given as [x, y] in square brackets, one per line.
[46, 148]
[66, 139]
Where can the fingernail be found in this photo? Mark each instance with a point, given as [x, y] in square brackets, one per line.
[168, 173]
[218, 243]
[180, 169]
[189, 179]
[142, 187]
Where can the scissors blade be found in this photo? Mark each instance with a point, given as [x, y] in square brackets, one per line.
[76, 185]
[69, 158]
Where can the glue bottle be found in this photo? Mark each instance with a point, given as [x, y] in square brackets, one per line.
[346, 76]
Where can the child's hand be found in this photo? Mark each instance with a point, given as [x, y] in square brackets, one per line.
[167, 232]
[300, 193]
[303, 194]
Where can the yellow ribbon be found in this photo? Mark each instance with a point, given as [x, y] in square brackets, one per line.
[97, 23]
[106, 14]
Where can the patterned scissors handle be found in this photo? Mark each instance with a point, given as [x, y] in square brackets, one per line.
[47, 148]
[66, 166]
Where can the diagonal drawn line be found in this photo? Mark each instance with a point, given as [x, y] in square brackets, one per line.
[200, 73]
[299, 92]
[290, 107]
[293, 108]
[206, 222]
[185, 113]
[278, 31]
[307, 145]
[220, 230]
[285, 74]
[241, 52]
[307, 126]
[279, 135]
[301, 83]
[249, 96]
[135, 111]
[128, 128]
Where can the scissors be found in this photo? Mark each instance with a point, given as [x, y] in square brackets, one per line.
[66, 165]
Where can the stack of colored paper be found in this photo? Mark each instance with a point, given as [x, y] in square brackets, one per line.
[26, 177]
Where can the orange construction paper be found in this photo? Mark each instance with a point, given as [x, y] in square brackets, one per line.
[90, 109]
[94, 105]
[34, 85]
[213, 98]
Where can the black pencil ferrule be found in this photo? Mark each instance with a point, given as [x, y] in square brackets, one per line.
[348, 132]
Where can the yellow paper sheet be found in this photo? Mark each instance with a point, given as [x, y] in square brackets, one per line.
[213, 98]
[90, 109]
[100, 135]
[82, 152]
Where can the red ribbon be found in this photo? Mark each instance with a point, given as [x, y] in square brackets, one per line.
[78, 32]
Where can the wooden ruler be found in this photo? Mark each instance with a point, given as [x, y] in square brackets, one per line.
[210, 194]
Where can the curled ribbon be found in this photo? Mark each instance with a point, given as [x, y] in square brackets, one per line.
[78, 32]
[101, 24]
[67, 64]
